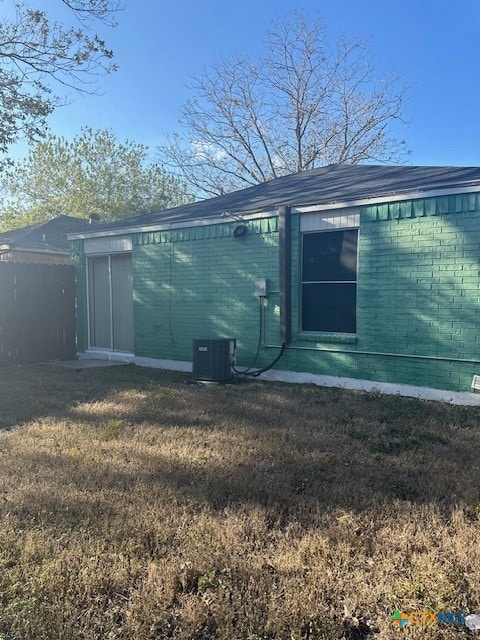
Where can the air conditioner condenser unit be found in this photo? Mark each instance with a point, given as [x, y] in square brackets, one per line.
[213, 359]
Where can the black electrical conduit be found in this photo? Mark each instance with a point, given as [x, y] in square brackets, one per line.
[255, 373]
[258, 372]
[284, 267]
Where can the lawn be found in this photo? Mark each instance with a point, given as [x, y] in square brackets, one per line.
[137, 505]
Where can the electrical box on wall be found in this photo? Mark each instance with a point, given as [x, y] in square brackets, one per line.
[261, 289]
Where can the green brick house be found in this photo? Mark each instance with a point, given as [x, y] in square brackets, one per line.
[372, 278]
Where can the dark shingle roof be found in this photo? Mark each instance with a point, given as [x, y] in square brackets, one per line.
[50, 235]
[322, 186]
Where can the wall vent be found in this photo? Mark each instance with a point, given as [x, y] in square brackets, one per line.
[213, 359]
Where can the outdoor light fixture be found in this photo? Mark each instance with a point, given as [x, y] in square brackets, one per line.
[239, 231]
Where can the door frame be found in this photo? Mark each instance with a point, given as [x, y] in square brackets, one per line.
[110, 293]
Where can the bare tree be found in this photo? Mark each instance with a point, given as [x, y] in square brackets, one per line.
[38, 54]
[305, 103]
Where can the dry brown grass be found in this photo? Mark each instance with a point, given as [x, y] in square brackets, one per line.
[136, 506]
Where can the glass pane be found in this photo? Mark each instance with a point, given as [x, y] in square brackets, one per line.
[329, 307]
[330, 255]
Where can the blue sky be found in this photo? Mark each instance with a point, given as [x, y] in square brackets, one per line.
[158, 45]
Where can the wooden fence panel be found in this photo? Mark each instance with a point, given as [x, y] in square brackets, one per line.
[37, 312]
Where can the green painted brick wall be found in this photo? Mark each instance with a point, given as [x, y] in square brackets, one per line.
[418, 294]
[199, 283]
[419, 288]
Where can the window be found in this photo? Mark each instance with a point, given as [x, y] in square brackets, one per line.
[329, 281]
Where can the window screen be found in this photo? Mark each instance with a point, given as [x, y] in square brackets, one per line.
[329, 281]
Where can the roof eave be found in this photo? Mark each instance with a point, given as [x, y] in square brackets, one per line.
[394, 196]
[24, 249]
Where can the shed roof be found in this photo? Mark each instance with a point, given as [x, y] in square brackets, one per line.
[46, 236]
[325, 185]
